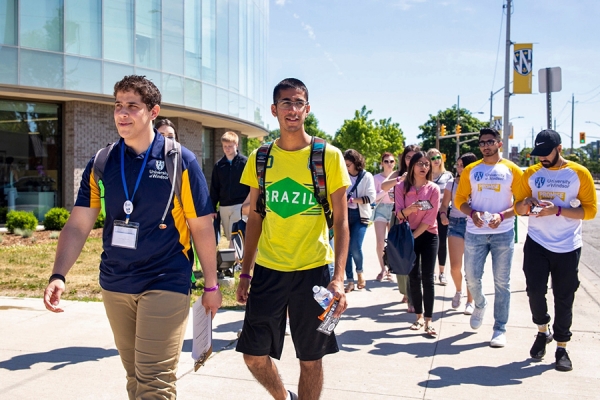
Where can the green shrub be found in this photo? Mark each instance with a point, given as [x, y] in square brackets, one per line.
[99, 221]
[55, 219]
[20, 219]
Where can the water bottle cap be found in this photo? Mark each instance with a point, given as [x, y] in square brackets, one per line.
[316, 289]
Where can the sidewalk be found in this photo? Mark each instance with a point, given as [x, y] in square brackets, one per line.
[72, 355]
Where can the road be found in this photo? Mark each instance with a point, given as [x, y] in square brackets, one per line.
[589, 265]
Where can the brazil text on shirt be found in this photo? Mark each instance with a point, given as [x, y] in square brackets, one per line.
[558, 234]
[294, 232]
[491, 189]
[163, 259]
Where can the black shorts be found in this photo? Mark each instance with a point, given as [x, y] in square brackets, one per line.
[272, 293]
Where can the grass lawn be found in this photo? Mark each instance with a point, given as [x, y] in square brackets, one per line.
[25, 267]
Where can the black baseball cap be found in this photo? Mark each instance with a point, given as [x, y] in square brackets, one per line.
[545, 141]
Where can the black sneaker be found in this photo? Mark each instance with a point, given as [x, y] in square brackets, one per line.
[563, 362]
[538, 350]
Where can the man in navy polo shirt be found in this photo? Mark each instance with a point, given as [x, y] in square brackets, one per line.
[146, 264]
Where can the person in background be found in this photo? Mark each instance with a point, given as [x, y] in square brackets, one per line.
[489, 184]
[440, 177]
[360, 195]
[456, 221]
[395, 178]
[564, 193]
[226, 191]
[166, 128]
[417, 201]
[383, 211]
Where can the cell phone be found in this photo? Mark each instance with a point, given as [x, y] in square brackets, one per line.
[535, 209]
[425, 204]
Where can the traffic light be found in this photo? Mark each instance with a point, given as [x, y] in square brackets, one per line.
[443, 130]
[582, 137]
[443, 157]
[512, 132]
[528, 157]
[458, 129]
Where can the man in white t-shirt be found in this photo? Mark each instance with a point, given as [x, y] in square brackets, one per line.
[489, 183]
[557, 195]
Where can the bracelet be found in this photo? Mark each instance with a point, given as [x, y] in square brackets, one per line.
[443, 212]
[501, 216]
[351, 200]
[54, 277]
[212, 289]
[471, 215]
[246, 276]
[559, 211]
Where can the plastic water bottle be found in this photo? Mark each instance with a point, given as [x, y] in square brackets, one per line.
[486, 217]
[575, 203]
[323, 296]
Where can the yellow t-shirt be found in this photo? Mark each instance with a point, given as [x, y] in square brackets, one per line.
[559, 185]
[294, 232]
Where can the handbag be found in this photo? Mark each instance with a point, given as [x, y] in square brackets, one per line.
[399, 252]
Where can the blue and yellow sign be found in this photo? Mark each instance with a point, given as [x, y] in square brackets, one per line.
[523, 67]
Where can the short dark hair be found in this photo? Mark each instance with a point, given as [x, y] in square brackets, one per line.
[355, 158]
[409, 181]
[289, 83]
[386, 154]
[467, 159]
[142, 86]
[402, 168]
[167, 122]
[490, 131]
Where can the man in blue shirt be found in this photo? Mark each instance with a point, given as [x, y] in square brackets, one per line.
[146, 264]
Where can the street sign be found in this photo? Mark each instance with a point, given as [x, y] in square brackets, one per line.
[555, 79]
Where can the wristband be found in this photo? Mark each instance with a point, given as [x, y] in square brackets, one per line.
[471, 215]
[54, 277]
[559, 211]
[443, 212]
[501, 217]
[351, 200]
[245, 276]
[212, 289]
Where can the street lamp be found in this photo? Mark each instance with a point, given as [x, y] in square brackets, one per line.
[516, 118]
[592, 122]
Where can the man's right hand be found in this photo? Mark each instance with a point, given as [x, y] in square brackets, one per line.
[52, 295]
[241, 293]
[476, 217]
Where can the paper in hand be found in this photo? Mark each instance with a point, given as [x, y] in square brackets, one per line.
[202, 331]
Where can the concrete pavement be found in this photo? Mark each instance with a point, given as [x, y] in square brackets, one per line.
[72, 355]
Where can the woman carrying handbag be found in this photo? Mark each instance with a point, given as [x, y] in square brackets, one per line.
[417, 201]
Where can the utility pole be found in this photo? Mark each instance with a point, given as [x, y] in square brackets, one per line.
[572, 118]
[457, 123]
[507, 69]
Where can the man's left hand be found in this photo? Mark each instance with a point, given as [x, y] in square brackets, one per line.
[212, 301]
[495, 221]
[548, 210]
[337, 288]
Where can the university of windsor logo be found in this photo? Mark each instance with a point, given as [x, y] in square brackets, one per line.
[523, 61]
[478, 176]
[539, 182]
[160, 164]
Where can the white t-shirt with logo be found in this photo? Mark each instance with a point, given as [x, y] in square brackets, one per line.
[491, 189]
[559, 186]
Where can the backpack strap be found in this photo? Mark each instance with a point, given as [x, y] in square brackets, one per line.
[262, 158]
[98, 170]
[317, 168]
[172, 151]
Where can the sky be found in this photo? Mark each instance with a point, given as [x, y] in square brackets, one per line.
[407, 59]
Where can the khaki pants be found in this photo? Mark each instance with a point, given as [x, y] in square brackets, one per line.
[229, 215]
[149, 329]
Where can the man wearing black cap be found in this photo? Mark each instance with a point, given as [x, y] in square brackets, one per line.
[557, 195]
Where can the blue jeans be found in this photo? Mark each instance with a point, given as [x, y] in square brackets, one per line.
[357, 235]
[477, 247]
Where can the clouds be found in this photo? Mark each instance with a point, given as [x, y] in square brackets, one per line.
[280, 2]
[404, 5]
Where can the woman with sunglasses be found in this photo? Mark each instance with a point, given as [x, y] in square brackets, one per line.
[383, 211]
[456, 221]
[417, 201]
[360, 195]
[440, 177]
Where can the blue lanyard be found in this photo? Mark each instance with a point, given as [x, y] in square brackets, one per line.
[139, 178]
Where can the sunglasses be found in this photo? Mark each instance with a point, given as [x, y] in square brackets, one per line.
[435, 158]
[485, 143]
[423, 164]
[389, 161]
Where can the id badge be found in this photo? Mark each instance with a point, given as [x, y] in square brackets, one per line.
[125, 234]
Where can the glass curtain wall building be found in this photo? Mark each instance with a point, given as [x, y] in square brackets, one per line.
[59, 61]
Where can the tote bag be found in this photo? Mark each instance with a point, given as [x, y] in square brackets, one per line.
[400, 248]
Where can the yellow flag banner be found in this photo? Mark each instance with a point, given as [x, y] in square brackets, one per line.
[523, 67]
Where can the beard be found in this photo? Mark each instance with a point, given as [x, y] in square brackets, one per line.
[550, 164]
[492, 153]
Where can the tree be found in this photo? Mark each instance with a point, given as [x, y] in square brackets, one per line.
[448, 117]
[369, 137]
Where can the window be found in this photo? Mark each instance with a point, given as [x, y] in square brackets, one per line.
[41, 25]
[118, 30]
[83, 27]
[8, 20]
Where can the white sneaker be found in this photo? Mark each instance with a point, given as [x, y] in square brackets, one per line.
[469, 308]
[443, 280]
[456, 300]
[498, 339]
[477, 317]
[288, 332]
